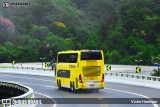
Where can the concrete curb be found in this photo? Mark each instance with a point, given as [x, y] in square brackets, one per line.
[28, 93]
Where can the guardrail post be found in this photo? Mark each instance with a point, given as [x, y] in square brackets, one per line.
[121, 75]
[110, 74]
[132, 76]
[154, 79]
[127, 75]
[148, 78]
[116, 74]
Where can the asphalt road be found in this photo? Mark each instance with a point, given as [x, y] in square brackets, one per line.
[44, 87]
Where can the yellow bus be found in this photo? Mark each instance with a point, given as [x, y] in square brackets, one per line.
[82, 69]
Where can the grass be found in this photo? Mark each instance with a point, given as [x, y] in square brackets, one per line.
[5, 66]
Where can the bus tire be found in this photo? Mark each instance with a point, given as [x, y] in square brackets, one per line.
[73, 88]
[59, 85]
[97, 90]
[57, 82]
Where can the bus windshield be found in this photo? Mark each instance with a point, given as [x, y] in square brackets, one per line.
[91, 55]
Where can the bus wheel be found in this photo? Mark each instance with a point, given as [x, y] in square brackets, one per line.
[73, 89]
[97, 90]
[59, 84]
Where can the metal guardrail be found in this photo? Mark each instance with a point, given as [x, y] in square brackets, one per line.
[143, 77]
[20, 91]
[136, 76]
[30, 68]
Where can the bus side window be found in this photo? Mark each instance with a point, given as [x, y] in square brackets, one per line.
[73, 58]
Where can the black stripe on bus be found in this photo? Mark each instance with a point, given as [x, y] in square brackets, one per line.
[63, 73]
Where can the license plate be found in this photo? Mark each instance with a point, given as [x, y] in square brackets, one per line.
[92, 78]
[92, 85]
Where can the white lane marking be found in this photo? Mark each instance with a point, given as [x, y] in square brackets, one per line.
[39, 85]
[54, 105]
[43, 94]
[155, 105]
[27, 78]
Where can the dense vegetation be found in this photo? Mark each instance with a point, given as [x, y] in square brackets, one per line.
[124, 29]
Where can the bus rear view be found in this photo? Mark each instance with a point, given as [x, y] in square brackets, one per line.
[82, 69]
[91, 67]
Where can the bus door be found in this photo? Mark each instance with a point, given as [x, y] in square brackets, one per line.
[73, 65]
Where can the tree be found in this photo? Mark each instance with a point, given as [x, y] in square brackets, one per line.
[114, 40]
[39, 32]
[130, 25]
[112, 57]
[4, 55]
[7, 28]
[27, 53]
[147, 52]
[103, 13]
[56, 44]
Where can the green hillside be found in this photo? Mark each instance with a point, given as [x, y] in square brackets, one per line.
[125, 30]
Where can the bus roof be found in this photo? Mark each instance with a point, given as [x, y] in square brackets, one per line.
[76, 51]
